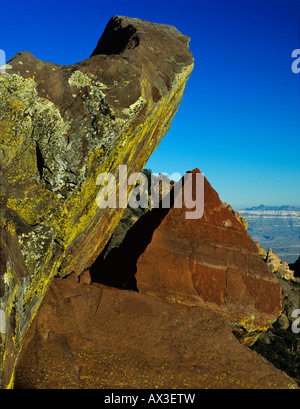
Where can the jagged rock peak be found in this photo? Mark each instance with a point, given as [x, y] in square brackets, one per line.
[123, 33]
[210, 262]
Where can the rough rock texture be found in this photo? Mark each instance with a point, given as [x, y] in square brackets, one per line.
[281, 268]
[61, 126]
[261, 251]
[280, 344]
[273, 261]
[284, 271]
[238, 216]
[211, 262]
[88, 336]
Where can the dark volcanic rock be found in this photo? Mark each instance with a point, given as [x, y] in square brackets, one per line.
[61, 126]
[87, 336]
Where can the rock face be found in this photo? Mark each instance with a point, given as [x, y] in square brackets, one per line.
[261, 251]
[61, 126]
[280, 344]
[88, 336]
[273, 261]
[211, 262]
[281, 268]
[238, 216]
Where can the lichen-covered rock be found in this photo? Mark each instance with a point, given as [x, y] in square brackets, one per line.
[237, 215]
[284, 271]
[273, 261]
[261, 251]
[61, 126]
[280, 268]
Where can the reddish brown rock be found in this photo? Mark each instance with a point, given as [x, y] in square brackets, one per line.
[85, 277]
[211, 262]
[88, 336]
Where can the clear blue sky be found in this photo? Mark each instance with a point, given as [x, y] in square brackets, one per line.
[239, 121]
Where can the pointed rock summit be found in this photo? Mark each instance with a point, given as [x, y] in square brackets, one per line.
[211, 262]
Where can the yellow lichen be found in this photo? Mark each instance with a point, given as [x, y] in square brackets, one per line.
[28, 120]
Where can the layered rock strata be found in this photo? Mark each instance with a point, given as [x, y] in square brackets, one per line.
[61, 126]
[210, 262]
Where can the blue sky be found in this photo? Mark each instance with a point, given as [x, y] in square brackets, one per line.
[239, 121]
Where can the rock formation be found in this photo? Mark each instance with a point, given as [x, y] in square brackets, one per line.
[61, 126]
[92, 336]
[280, 344]
[277, 266]
[239, 217]
[281, 268]
[261, 251]
[88, 335]
[211, 262]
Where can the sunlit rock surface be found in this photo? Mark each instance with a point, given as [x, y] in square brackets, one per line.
[210, 262]
[61, 126]
[92, 336]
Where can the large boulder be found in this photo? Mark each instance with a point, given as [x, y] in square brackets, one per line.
[210, 262]
[61, 126]
[92, 336]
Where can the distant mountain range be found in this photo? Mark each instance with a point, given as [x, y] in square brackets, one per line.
[275, 227]
[275, 208]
